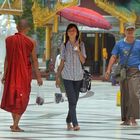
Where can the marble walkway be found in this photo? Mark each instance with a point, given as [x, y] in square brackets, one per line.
[98, 116]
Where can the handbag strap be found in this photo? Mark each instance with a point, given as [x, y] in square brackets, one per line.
[126, 61]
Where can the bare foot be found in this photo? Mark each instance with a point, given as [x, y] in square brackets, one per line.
[16, 129]
[126, 123]
[133, 122]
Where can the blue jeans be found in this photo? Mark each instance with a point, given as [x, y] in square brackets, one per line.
[72, 90]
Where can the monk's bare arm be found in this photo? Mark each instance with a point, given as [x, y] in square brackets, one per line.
[111, 62]
[35, 64]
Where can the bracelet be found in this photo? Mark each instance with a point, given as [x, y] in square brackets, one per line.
[107, 73]
[57, 77]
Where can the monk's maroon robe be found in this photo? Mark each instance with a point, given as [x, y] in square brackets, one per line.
[18, 76]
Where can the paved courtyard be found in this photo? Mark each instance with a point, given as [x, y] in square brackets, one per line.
[98, 115]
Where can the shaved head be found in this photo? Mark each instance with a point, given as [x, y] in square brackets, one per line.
[23, 25]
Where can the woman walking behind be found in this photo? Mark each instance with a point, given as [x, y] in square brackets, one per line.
[72, 57]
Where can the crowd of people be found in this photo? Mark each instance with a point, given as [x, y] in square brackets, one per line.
[20, 55]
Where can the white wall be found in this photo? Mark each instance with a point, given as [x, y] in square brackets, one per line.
[7, 27]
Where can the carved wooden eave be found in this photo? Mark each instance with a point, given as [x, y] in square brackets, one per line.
[117, 12]
[11, 8]
[44, 16]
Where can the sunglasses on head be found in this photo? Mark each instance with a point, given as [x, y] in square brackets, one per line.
[130, 29]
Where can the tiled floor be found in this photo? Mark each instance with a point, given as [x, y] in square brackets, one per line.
[98, 115]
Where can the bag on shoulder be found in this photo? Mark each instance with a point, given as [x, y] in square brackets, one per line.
[119, 73]
[86, 82]
[121, 70]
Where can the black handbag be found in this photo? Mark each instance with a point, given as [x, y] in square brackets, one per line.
[86, 82]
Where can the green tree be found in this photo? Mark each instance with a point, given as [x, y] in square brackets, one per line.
[27, 13]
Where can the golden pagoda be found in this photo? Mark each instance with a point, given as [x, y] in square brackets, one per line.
[43, 16]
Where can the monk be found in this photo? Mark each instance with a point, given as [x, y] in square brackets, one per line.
[20, 53]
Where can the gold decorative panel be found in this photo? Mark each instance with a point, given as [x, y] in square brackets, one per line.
[12, 7]
[44, 16]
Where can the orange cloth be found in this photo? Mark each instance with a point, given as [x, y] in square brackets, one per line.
[18, 75]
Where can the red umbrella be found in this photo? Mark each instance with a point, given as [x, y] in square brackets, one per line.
[85, 16]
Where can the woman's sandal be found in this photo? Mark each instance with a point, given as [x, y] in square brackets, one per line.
[69, 126]
[76, 128]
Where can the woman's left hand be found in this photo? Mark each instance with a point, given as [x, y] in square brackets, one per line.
[57, 82]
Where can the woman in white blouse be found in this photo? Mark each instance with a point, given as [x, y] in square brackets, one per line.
[72, 57]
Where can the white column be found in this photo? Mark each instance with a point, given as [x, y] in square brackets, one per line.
[7, 27]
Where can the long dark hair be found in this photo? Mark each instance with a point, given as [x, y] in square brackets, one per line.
[71, 25]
